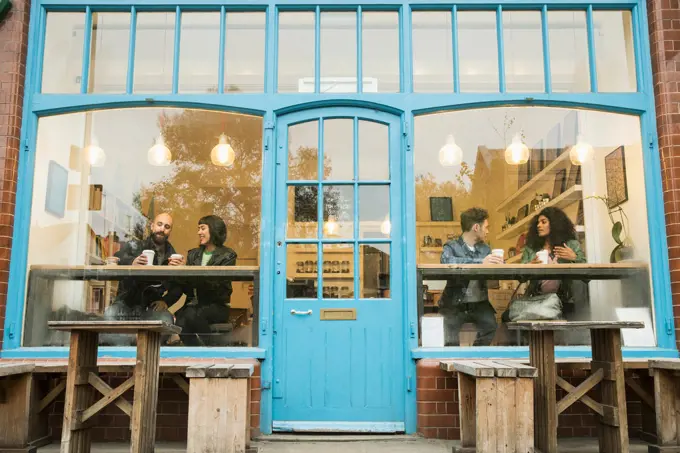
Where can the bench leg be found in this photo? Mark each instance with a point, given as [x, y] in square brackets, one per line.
[467, 402]
[666, 407]
[144, 406]
[542, 357]
[82, 359]
[17, 413]
[524, 415]
[613, 427]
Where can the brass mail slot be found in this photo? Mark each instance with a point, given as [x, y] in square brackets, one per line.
[338, 314]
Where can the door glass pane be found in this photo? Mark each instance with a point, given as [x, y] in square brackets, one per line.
[569, 62]
[338, 266]
[373, 151]
[432, 51]
[63, 55]
[374, 212]
[244, 53]
[302, 212]
[199, 52]
[523, 50]
[615, 57]
[303, 151]
[478, 51]
[374, 281]
[301, 271]
[380, 52]
[338, 52]
[338, 149]
[338, 212]
[109, 52]
[154, 52]
[296, 52]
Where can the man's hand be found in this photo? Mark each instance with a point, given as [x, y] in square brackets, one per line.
[177, 261]
[493, 259]
[141, 260]
[159, 305]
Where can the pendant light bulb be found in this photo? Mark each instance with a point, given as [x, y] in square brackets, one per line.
[223, 155]
[331, 226]
[450, 154]
[517, 153]
[581, 152]
[95, 156]
[159, 154]
[386, 226]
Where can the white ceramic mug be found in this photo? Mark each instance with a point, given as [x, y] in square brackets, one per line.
[543, 256]
[149, 256]
[498, 252]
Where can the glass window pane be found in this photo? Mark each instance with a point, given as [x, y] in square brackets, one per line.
[301, 271]
[296, 52]
[244, 53]
[63, 55]
[374, 151]
[199, 52]
[478, 51]
[338, 52]
[338, 212]
[338, 149]
[432, 54]
[154, 52]
[303, 151]
[569, 62]
[374, 281]
[523, 50]
[374, 212]
[97, 194]
[109, 52]
[303, 211]
[380, 52]
[614, 51]
[338, 271]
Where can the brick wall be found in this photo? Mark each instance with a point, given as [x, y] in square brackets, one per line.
[438, 415]
[13, 46]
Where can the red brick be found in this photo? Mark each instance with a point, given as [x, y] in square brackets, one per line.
[435, 395]
[426, 408]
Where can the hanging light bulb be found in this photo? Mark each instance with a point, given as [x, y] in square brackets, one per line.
[159, 154]
[517, 153]
[95, 156]
[450, 154]
[331, 226]
[223, 154]
[386, 226]
[581, 152]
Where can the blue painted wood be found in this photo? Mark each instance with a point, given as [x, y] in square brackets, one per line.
[353, 427]
[310, 5]
[522, 352]
[546, 49]
[221, 58]
[591, 49]
[131, 51]
[175, 62]
[52, 352]
[87, 39]
[339, 371]
[501, 49]
[454, 49]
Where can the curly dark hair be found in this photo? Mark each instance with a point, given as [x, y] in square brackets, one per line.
[561, 229]
[217, 228]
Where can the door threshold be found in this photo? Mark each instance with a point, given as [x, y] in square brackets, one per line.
[337, 427]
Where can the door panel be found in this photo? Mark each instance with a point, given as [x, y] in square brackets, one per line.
[337, 218]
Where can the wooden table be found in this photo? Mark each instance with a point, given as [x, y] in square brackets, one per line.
[82, 380]
[606, 369]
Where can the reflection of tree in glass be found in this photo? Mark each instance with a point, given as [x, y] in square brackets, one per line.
[196, 187]
[458, 188]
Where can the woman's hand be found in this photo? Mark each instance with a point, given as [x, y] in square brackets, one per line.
[564, 253]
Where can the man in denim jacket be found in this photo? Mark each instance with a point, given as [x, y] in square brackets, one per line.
[463, 300]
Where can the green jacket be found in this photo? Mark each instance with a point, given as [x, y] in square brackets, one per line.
[529, 254]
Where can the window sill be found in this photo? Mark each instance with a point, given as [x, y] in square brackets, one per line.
[61, 352]
[522, 352]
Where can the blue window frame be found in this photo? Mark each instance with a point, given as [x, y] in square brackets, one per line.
[270, 104]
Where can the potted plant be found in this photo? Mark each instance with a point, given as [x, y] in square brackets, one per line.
[624, 245]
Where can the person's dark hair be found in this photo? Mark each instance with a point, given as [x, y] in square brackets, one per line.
[217, 228]
[561, 229]
[472, 216]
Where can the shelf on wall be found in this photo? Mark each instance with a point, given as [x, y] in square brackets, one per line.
[431, 249]
[571, 195]
[438, 224]
[343, 250]
[561, 162]
[327, 276]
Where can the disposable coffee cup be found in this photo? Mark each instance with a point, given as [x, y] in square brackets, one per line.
[149, 256]
[112, 260]
[176, 256]
[543, 256]
[498, 252]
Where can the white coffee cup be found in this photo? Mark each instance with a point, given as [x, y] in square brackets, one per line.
[543, 256]
[112, 260]
[176, 256]
[149, 256]
[498, 252]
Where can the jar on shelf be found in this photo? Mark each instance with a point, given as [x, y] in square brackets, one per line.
[345, 267]
[326, 267]
[336, 267]
[308, 267]
[315, 267]
[300, 267]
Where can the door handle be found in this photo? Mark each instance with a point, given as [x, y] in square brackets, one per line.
[302, 313]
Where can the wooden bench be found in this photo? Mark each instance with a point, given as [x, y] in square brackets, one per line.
[219, 408]
[496, 401]
[666, 375]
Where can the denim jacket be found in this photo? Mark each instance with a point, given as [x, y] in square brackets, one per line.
[457, 252]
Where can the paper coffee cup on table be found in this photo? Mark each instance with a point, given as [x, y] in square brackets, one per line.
[149, 256]
[543, 256]
[176, 256]
[112, 260]
[498, 252]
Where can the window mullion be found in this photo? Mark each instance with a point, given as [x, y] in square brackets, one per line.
[501, 49]
[454, 48]
[223, 36]
[131, 51]
[175, 66]
[546, 50]
[87, 39]
[591, 49]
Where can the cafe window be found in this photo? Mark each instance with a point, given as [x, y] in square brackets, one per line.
[581, 170]
[101, 179]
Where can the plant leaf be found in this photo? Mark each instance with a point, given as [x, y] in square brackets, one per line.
[617, 228]
[612, 256]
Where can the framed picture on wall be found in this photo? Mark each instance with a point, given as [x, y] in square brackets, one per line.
[615, 176]
[441, 209]
[57, 186]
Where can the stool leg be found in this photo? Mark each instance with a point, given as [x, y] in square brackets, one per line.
[542, 357]
[613, 427]
[146, 393]
[82, 358]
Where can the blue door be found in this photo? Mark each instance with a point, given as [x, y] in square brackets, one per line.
[339, 343]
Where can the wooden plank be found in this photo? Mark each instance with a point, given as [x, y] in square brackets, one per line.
[107, 399]
[11, 369]
[666, 364]
[506, 413]
[486, 432]
[524, 416]
[664, 408]
[585, 399]
[181, 382]
[639, 391]
[610, 370]
[146, 393]
[610, 416]
[242, 371]
[114, 326]
[523, 370]
[542, 357]
[569, 325]
[197, 371]
[52, 395]
[103, 388]
[15, 411]
[501, 370]
[218, 371]
[473, 368]
[578, 393]
[467, 404]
